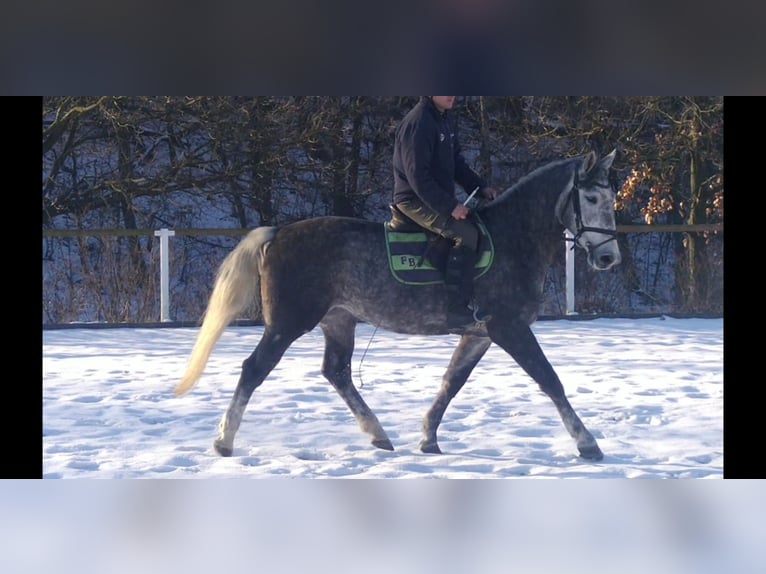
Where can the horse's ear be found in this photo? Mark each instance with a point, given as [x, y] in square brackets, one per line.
[606, 163]
[600, 166]
[590, 161]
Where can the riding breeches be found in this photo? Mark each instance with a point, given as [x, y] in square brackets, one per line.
[461, 231]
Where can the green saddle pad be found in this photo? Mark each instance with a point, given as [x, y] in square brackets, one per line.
[406, 256]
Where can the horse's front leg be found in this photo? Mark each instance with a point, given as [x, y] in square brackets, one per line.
[469, 352]
[517, 339]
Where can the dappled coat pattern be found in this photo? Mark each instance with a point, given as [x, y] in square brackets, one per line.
[333, 272]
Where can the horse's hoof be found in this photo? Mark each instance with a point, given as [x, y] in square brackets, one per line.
[222, 449]
[430, 448]
[591, 453]
[383, 443]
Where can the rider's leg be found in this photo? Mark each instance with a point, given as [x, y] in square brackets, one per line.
[459, 274]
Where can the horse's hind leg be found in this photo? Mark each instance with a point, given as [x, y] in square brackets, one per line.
[254, 370]
[338, 327]
[518, 340]
[469, 352]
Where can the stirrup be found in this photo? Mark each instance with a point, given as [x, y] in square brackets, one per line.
[478, 317]
[483, 318]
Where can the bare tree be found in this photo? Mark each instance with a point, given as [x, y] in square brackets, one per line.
[676, 150]
[145, 162]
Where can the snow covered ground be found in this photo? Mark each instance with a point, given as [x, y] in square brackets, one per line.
[650, 390]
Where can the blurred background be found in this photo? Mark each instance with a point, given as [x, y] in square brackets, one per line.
[471, 46]
[407, 527]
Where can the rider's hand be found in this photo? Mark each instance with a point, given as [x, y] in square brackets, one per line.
[490, 192]
[460, 212]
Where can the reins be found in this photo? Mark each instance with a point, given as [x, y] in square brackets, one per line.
[574, 197]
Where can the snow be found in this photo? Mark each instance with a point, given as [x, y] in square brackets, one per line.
[650, 390]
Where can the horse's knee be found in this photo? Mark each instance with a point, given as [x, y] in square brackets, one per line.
[339, 377]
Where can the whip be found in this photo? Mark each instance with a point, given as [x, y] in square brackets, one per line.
[470, 197]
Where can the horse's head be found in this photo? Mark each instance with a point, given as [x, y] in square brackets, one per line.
[586, 209]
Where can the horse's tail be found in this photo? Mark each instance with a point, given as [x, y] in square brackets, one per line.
[237, 286]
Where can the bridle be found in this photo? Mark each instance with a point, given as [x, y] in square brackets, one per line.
[574, 197]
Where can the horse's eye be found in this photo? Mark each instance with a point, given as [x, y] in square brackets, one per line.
[591, 199]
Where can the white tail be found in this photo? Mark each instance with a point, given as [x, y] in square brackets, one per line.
[236, 284]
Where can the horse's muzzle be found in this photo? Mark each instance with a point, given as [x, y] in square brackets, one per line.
[604, 257]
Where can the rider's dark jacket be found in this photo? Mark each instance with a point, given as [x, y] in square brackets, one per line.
[428, 160]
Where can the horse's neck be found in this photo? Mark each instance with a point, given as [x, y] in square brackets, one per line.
[525, 220]
[527, 212]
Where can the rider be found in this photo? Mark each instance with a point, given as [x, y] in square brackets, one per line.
[427, 162]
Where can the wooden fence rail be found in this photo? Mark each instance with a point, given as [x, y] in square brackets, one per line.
[165, 234]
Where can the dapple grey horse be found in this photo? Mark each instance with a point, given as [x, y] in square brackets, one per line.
[334, 272]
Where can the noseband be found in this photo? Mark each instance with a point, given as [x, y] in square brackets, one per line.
[574, 197]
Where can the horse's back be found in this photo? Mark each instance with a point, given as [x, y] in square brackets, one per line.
[327, 240]
[312, 264]
[332, 224]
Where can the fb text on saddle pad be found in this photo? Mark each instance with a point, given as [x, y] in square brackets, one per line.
[417, 260]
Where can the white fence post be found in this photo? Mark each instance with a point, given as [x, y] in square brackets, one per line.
[164, 273]
[570, 273]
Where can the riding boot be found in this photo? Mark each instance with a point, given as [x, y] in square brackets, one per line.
[459, 275]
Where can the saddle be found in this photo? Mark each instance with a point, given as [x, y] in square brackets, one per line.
[418, 256]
